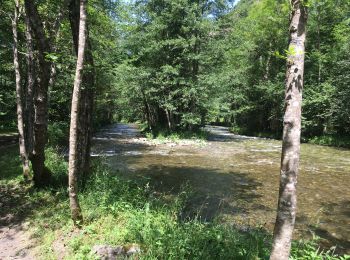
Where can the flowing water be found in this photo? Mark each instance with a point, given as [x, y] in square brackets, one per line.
[235, 178]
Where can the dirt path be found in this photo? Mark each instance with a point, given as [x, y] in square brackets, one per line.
[15, 240]
[15, 243]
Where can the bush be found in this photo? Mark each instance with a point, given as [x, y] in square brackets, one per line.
[58, 133]
[331, 140]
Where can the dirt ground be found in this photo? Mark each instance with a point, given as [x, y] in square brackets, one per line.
[15, 240]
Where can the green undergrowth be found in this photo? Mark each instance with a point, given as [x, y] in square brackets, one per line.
[331, 140]
[325, 140]
[244, 131]
[123, 212]
[164, 135]
[8, 128]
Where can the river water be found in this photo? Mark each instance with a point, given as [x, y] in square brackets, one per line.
[235, 178]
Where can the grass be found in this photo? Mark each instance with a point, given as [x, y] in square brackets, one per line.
[176, 136]
[331, 140]
[123, 212]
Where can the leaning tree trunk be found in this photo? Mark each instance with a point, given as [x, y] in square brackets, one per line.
[87, 94]
[287, 202]
[74, 124]
[19, 96]
[41, 173]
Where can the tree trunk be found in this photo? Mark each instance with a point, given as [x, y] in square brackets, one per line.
[19, 96]
[74, 124]
[87, 93]
[29, 89]
[287, 202]
[41, 173]
[168, 119]
[148, 111]
[268, 63]
[55, 35]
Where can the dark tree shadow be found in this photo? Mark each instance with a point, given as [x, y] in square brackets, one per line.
[212, 192]
[342, 212]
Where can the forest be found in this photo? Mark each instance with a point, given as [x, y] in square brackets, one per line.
[174, 129]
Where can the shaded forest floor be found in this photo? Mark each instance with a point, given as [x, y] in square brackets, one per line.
[15, 240]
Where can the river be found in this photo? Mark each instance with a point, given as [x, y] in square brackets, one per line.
[235, 178]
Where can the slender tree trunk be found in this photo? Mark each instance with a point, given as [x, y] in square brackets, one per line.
[55, 35]
[319, 44]
[287, 202]
[29, 88]
[74, 124]
[87, 94]
[168, 119]
[148, 111]
[268, 63]
[41, 173]
[19, 96]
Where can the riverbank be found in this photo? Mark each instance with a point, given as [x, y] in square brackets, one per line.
[118, 211]
[323, 140]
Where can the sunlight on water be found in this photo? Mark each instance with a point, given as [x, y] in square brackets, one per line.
[235, 178]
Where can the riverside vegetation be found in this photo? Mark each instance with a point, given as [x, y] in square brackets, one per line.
[119, 211]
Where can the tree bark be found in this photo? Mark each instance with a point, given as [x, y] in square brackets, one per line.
[87, 93]
[268, 63]
[170, 127]
[41, 173]
[55, 35]
[287, 202]
[19, 96]
[74, 124]
[29, 89]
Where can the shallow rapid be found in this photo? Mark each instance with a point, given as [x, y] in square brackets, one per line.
[235, 178]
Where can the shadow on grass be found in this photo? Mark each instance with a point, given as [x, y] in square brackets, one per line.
[338, 237]
[20, 200]
[211, 192]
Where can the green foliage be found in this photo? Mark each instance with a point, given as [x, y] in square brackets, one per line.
[331, 140]
[187, 63]
[310, 250]
[164, 135]
[10, 165]
[58, 133]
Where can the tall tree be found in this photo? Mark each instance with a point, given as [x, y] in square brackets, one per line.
[41, 173]
[87, 93]
[29, 89]
[19, 96]
[73, 168]
[287, 202]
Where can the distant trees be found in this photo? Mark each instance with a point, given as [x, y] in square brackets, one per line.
[180, 64]
[287, 201]
[168, 61]
[240, 55]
